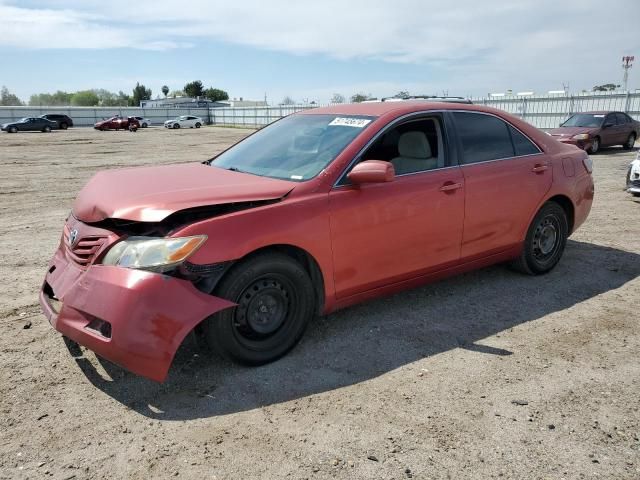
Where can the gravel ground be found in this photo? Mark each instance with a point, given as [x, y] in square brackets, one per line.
[489, 374]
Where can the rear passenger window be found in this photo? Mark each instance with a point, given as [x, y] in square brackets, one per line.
[622, 118]
[483, 137]
[522, 145]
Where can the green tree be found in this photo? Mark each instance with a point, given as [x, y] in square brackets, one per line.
[176, 93]
[140, 92]
[165, 90]
[194, 89]
[606, 87]
[57, 99]
[215, 94]
[360, 97]
[9, 99]
[402, 94]
[288, 101]
[337, 98]
[85, 98]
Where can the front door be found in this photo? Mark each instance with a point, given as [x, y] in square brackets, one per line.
[388, 232]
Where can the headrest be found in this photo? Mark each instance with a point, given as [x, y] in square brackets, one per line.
[414, 145]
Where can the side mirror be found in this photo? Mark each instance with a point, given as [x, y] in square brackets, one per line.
[372, 171]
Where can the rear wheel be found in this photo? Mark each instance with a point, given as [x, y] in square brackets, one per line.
[595, 145]
[631, 141]
[198, 125]
[64, 126]
[275, 301]
[176, 125]
[545, 241]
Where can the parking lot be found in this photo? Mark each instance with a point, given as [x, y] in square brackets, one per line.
[489, 374]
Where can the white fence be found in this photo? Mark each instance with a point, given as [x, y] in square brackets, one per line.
[541, 111]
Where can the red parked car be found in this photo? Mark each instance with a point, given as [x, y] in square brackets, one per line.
[317, 211]
[592, 130]
[118, 123]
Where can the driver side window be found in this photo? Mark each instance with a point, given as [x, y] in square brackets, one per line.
[412, 147]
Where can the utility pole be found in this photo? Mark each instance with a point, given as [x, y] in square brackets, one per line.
[627, 63]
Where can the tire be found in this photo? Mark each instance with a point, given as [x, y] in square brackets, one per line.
[46, 129]
[631, 141]
[13, 129]
[276, 300]
[64, 126]
[595, 146]
[144, 125]
[545, 241]
[176, 125]
[198, 125]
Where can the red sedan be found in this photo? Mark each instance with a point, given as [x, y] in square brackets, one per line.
[592, 130]
[320, 210]
[118, 123]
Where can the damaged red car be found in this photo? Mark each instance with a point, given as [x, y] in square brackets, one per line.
[118, 123]
[317, 211]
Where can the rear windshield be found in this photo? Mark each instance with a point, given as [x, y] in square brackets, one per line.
[295, 148]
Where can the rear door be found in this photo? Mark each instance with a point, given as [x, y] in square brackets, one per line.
[385, 233]
[506, 176]
[610, 133]
[625, 125]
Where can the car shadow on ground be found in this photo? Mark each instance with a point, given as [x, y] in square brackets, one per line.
[365, 341]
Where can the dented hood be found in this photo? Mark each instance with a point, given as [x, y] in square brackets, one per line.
[150, 194]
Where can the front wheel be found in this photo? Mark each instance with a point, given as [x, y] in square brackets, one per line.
[144, 125]
[176, 125]
[13, 129]
[64, 126]
[595, 145]
[545, 241]
[198, 125]
[46, 129]
[631, 141]
[275, 301]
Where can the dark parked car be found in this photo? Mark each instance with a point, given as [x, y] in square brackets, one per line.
[63, 121]
[592, 130]
[29, 124]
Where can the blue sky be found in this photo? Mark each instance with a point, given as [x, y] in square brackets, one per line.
[310, 50]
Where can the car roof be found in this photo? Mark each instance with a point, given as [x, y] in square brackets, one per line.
[399, 108]
[599, 112]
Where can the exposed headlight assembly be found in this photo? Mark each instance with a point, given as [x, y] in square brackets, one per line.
[154, 254]
[581, 136]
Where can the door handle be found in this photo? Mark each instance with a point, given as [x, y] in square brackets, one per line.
[540, 168]
[450, 186]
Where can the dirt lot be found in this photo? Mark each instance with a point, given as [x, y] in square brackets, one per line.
[490, 374]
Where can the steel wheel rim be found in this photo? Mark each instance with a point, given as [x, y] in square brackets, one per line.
[631, 141]
[546, 238]
[264, 308]
[596, 145]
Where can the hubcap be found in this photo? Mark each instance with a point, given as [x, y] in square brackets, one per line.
[545, 238]
[262, 309]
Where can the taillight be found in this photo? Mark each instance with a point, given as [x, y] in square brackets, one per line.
[587, 163]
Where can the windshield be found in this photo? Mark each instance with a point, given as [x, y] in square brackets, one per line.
[23, 120]
[584, 120]
[295, 148]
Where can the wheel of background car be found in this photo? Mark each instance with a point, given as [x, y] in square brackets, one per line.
[176, 125]
[275, 299]
[64, 126]
[198, 125]
[13, 129]
[545, 241]
[46, 129]
[144, 125]
[631, 141]
[595, 145]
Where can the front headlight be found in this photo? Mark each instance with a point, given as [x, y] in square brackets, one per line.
[155, 254]
[581, 136]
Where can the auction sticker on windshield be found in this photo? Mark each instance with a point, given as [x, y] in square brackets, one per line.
[350, 122]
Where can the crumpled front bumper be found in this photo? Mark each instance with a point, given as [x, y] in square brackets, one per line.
[149, 314]
[582, 144]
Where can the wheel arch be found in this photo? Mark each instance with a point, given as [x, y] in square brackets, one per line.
[568, 207]
[299, 255]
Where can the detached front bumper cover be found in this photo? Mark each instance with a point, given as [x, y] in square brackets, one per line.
[148, 314]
